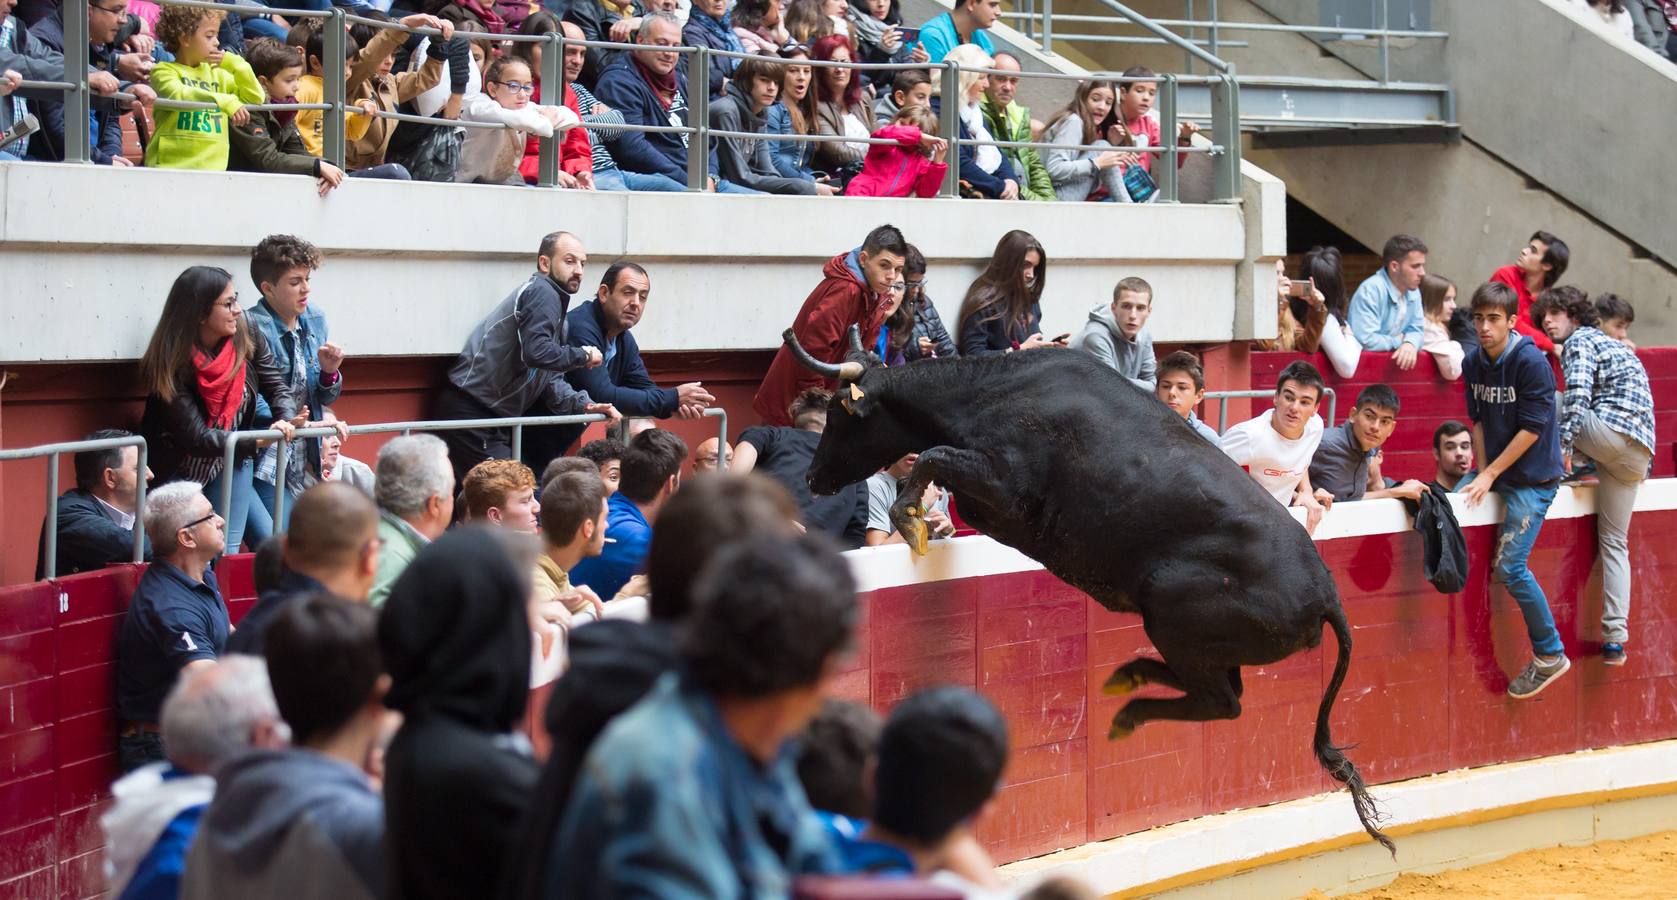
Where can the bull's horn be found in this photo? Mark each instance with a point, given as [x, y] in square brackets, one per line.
[846, 371]
[856, 339]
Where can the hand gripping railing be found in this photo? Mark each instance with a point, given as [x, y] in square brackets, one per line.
[1223, 398]
[516, 423]
[51, 452]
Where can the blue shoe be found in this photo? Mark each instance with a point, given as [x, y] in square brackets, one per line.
[1613, 654]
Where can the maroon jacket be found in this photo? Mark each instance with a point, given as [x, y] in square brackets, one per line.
[841, 299]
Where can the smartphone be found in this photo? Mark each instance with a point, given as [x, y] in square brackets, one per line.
[1063, 338]
[910, 36]
[1300, 289]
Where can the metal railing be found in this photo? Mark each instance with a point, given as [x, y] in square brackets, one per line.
[1039, 24]
[516, 423]
[1225, 119]
[52, 452]
[1223, 398]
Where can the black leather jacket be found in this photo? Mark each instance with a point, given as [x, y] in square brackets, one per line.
[178, 429]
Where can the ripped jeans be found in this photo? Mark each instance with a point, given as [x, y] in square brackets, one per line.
[1526, 505]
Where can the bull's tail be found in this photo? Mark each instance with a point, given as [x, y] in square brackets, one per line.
[1333, 758]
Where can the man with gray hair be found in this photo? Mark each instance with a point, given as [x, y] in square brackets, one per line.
[415, 493]
[176, 619]
[214, 713]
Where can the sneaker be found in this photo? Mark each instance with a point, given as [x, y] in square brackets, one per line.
[1613, 654]
[1536, 677]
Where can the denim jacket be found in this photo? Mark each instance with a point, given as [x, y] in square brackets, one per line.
[669, 805]
[791, 158]
[311, 329]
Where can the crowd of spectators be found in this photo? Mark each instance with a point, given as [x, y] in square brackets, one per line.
[236, 59]
[1651, 23]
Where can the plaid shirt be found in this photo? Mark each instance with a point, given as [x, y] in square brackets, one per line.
[1603, 375]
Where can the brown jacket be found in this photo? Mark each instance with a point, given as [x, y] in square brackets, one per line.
[388, 91]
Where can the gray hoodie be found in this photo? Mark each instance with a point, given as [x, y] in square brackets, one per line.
[1131, 359]
[288, 825]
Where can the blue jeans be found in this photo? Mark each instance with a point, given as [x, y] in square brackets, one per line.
[724, 186]
[265, 493]
[621, 180]
[1526, 507]
[248, 517]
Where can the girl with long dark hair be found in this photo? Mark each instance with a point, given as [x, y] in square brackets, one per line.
[203, 370]
[1002, 312]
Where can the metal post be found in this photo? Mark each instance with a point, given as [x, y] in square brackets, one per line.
[950, 125]
[332, 89]
[1030, 19]
[140, 505]
[1213, 28]
[1385, 43]
[1168, 174]
[52, 490]
[227, 452]
[698, 116]
[552, 75]
[1222, 414]
[78, 102]
[1193, 32]
[721, 436]
[1225, 120]
[518, 436]
[281, 483]
[1048, 27]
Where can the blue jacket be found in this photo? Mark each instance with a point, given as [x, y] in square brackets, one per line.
[311, 334]
[622, 88]
[669, 805]
[791, 158]
[621, 381]
[1512, 393]
[628, 537]
[1383, 319]
[985, 183]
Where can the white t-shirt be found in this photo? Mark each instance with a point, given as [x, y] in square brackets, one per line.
[1277, 463]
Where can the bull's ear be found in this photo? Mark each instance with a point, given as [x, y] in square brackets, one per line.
[856, 402]
[856, 391]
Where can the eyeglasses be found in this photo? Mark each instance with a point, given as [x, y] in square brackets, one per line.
[918, 284]
[231, 304]
[196, 522]
[517, 87]
[117, 11]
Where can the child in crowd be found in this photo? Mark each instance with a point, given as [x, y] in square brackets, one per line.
[912, 167]
[1135, 101]
[1616, 316]
[1438, 304]
[311, 123]
[492, 155]
[371, 79]
[201, 72]
[1093, 174]
[911, 87]
[1182, 388]
[270, 142]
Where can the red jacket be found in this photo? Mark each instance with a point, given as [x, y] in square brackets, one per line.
[575, 154]
[841, 299]
[897, 170]
[1516, 279]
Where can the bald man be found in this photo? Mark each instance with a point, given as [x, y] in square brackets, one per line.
[331, 546]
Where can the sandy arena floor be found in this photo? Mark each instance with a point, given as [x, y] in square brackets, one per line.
[1642, 868]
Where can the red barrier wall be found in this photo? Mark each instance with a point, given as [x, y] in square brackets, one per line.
[1429, 400]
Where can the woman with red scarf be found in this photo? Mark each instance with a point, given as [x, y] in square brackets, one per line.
[202, 372]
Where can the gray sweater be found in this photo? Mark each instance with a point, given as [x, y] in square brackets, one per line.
[1074, 172]
[1131, 359]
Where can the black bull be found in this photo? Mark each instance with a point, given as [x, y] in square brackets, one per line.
[1055, 455]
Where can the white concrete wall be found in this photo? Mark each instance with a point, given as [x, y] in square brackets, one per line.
[87, 255]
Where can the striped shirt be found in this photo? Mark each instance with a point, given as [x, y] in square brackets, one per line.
[1604, 376]
[585, 104]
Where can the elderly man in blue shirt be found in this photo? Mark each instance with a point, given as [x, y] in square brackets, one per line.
[1385, 311]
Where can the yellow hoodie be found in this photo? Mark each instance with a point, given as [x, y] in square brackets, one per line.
[198, 138]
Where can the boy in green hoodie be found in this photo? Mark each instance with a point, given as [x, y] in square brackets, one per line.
[270, 141]
[201, 72]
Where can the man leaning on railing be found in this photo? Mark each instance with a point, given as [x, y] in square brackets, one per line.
[96, 517]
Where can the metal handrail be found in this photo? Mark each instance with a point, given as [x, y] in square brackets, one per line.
[1223, 398]
[52, 452]
[516, 423]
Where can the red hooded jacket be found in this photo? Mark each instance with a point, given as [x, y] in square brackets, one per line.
[841, 299]
[575, 153]
[1516, 279]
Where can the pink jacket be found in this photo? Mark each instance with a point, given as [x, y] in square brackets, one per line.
[898, 170]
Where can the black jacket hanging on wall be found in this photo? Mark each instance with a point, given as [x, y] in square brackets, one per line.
[1444, 550]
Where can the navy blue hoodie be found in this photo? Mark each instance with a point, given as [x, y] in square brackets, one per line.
[1513, 393]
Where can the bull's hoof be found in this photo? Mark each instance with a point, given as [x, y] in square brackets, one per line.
[913, 529]
[1121, 683]
[1119, 730]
